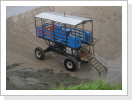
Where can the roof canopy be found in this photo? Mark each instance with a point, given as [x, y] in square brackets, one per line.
[62, 18]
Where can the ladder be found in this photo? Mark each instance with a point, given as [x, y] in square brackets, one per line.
[97, 65]
[90, 58]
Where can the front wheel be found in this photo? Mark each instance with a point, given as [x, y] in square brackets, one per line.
[71, 64]
[39, 53]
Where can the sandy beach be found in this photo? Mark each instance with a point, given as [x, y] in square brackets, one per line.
[25, 71]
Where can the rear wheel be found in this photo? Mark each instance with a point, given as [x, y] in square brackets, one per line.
[71, 64]
[39, 53]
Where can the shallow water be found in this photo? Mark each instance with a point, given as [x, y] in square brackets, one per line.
[114, 73]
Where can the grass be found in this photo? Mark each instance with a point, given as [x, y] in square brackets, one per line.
[96, 85]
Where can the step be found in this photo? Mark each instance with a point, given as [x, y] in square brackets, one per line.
[101, 67]
[97, 65]
[103, 70]
[93, 61]
[87, 58]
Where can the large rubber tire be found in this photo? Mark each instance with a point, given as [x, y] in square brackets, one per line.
[39, 53]
[71, 63]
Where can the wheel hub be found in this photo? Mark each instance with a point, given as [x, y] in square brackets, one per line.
[38, 54]
[69, 64]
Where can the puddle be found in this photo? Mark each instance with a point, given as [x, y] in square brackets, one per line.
[114, 72]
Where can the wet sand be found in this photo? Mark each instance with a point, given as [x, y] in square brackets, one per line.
[21, 42]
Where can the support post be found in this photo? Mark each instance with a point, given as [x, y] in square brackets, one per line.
[35, 25]
[42, 27]
[66, 41]
[75, 35]
[93, 49]
[83, 30]
[83, 26]
[53, 31]
[92, 30]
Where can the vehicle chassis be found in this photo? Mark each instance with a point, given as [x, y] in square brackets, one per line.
[74, 55]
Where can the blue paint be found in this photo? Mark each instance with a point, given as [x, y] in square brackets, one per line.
[61, 35]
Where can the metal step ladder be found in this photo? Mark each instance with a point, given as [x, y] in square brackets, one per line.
[97, 65]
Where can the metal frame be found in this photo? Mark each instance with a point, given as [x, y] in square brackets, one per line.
[60, 45]
[51, 44]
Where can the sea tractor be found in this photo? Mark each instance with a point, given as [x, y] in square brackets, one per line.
[66, 35]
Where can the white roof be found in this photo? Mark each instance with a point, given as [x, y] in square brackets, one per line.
[58, 17]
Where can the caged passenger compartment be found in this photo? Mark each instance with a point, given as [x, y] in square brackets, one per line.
[63, 36]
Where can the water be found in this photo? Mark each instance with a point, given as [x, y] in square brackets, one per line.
[114, 74]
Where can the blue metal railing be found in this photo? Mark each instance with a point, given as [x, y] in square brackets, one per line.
[74, 40]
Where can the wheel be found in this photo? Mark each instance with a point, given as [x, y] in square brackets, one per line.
[39, 53]
[71, 64]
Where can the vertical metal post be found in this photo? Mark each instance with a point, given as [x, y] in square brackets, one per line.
[93, 49]
[92, 36]
[75, 35]
[66, 42]
[42, 27]
[92, 30]
[70, 28]
[53, 31]
[35, 25]
[83, 30]
[83, 26]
